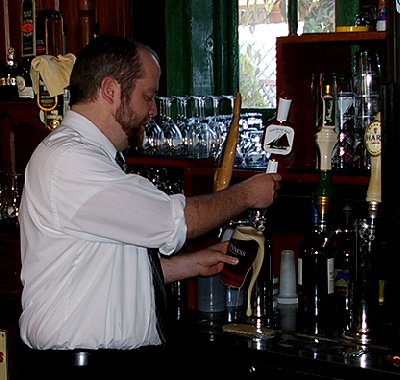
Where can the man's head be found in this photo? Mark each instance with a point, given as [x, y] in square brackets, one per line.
[115, 80]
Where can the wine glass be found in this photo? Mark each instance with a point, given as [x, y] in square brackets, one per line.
[172, 135]
[182, 122]
[217, 125]
[153, 138]
[202, 136]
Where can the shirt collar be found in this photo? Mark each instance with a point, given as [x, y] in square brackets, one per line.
[89, 130]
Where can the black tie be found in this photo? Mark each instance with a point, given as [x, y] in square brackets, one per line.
[121, 162]
[160, 294]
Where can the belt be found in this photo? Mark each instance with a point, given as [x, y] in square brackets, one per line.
[83, 357]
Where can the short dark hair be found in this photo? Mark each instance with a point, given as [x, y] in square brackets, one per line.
[106, 56]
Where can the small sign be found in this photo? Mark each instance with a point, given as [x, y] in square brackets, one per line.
[3, 355]
[278, 139]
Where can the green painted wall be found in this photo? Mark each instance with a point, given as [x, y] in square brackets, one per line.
[201, 45]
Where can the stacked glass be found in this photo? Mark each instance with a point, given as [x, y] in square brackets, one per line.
[367, 102]
[195, 127]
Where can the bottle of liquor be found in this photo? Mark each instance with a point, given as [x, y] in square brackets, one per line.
[381, 19]
[316, 261]
[24, 81]
[8, 85]
[28, 40]
[343, 246]
[316, 268]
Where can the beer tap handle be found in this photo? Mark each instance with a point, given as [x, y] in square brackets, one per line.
[223, 173]
[326, 139]
[373, 145]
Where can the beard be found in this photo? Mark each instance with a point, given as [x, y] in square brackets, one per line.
[131, 124]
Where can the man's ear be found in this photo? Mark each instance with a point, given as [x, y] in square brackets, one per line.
[109, 90]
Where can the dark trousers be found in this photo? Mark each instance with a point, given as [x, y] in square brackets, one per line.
[102, 364]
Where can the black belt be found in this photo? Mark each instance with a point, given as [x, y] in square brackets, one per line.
[83, 357]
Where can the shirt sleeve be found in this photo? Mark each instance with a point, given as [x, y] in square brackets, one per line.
[102, 203]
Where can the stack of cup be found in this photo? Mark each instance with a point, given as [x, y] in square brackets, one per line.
[287, 278]
[287, 297]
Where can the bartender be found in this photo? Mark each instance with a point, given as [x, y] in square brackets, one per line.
[92, 235]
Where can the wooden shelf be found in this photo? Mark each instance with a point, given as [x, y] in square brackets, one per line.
[169, 162]
[298, 58]
[206, 168]
[343, 37]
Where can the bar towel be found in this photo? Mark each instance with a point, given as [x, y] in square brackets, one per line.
[55, 72]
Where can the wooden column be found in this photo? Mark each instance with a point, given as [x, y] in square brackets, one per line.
[87, 20]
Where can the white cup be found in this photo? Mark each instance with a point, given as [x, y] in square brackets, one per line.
[211, 297]
[287, 278]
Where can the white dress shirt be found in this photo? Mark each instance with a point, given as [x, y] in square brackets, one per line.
[85, 229]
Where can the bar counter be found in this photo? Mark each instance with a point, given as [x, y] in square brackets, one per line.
[256, 354]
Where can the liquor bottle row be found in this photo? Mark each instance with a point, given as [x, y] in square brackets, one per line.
[15, 80]
[42, 33]
[341, 280]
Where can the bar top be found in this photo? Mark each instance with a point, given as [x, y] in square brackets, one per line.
[248, 350]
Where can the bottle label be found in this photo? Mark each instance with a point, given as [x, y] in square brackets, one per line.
[330, 265]
[23, 90]
[300, 271]
[28, 28]
[44, 100]
[342, 281]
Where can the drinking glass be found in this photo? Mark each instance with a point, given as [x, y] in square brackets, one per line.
[182, 123]
[217, 125]
[343, 154]
[366, 89]
[172, 144]
[201, 135]
[153, 138]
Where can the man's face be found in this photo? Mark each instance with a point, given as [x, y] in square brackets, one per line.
[135, 110]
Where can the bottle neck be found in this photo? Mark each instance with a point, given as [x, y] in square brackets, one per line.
[11, 58]
[323, 194]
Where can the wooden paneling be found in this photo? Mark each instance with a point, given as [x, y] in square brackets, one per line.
[112, 17]
[21, 131]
